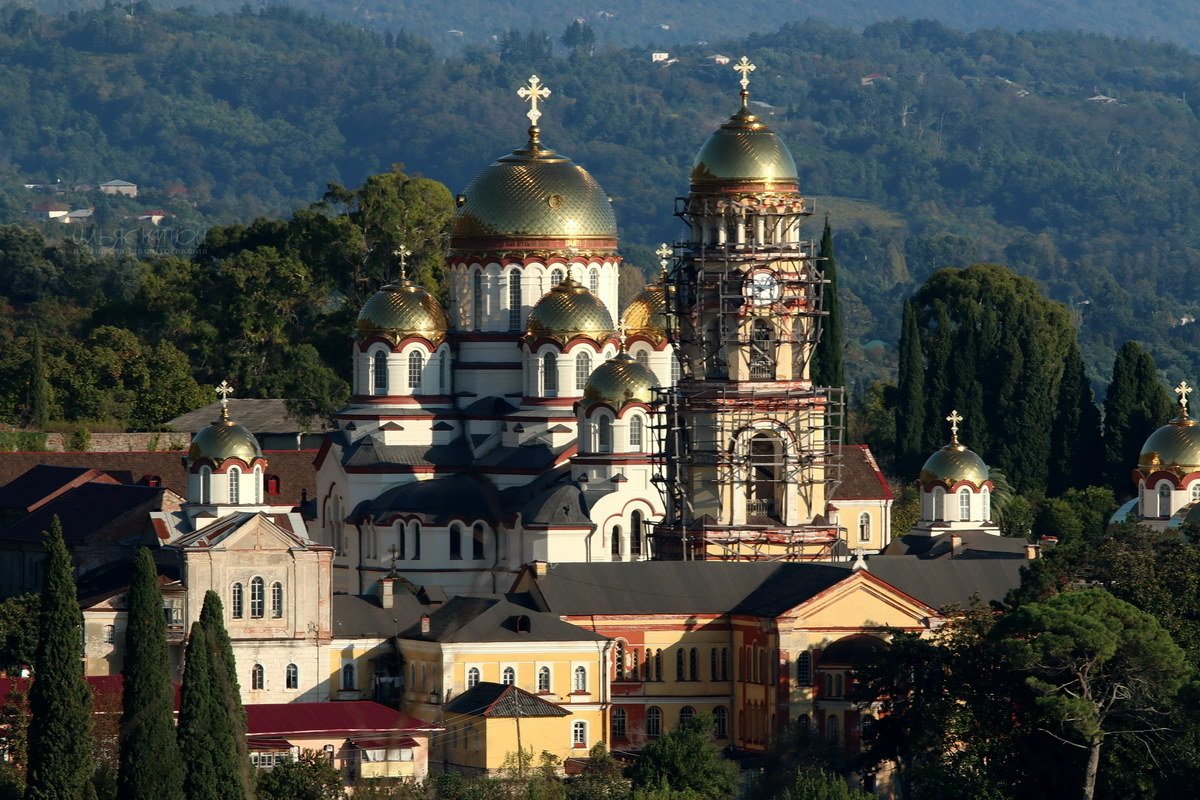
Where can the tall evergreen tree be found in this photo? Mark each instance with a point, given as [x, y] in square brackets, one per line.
[1077, 451]
[60, 701]
[910, 412]
[939, 380]
[828, 368]
[39, 387]
[201, 720]
[150, 767]
[1135, 404]
[224, 668]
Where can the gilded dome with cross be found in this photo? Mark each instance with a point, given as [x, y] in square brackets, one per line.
[954, 463]
[400, 310]
[618, 381]
[223, 438]
[1175, 447]
[569, 310]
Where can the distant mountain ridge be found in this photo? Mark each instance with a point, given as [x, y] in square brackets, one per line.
[450, 23]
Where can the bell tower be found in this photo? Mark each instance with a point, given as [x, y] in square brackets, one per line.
[748, 457]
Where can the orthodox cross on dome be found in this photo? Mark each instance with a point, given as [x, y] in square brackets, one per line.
[954, 419]
[663, 252]
[745, 67]
[224, 390]
[532, 93]
[1183, 390]
[402, 252]
[621, 333]
[394, 551]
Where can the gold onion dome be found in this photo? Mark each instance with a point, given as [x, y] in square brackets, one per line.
[400, 310]
[569, 310]
[1175, 447]
[954, 463]
[620, 380]
[224, 439]
[646, 314]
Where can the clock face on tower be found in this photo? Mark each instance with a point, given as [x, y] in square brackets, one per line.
[763, 288]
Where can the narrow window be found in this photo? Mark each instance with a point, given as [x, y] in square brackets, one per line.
[477, 536]
[416, 541]
[616, 543]
[291, 677]
[831, 728]
[635, 433]
[205, 485]
[720, 723]
[235, 481]
[550, 375]
[544, 680]
[256, 598]
[444, 372]
[583, 368]
[416, 365]
[257, 677]
[594, 281]
[379, 372]
[839, 689]
[277, 600]
[348, 682]
[514, 300]
[636, 534]
[724, 663]
[604, 433]
[762, 351]
[472, 677]
[110, 634]
[620, 723]
[804, 668]
[643, 357]
[580, 683]
[235, 601]
[258, 486]
[986, 500]
[556, 277]
[653, 722]
[455, 542]
[864, 527]
[712, 665]
[619, 661]
[477, 301]
[964, 504]
[579, 734]
[694, 665]
[680, 665]
[939, 504]
[509, 676]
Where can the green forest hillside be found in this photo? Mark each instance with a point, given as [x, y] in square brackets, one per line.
[452, 23]
[1072, 158]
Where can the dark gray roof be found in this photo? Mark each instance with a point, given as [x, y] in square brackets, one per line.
[500, 700]
[370, 452]
[534, 455]
[489, 407]
[362, 617]
[942, 582]
[440, 500]
[791, 585]
[561, 504]
[255, 415]
[496, 619]
[975, 544]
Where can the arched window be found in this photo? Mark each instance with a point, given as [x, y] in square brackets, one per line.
[635, 433]
[986, 501]
[543, 680]
[472, 677]
[477, 541]
[686, 713]
[619, 665]
[594, 281]
[277, 600]
[205, 485]
[939, 504]
[620, 723]
[804, 668]
[235, 485]
[416, 365]
[616, 543]
[604, 434]
[864, 527]
[477, 301]
[724, 663]
[762, 351]
[1164, 500]
[1195, 491]
[839, 688]
[291, 677]
[583, 368]
[509, 676]
[556, 277]
[804, 723]
[416, 541]
[642, 357]
[549, 375]
[680, 665]
[580, 682]
[579, 734]
[235, 601]
[831, 728]
[348, 682]
[379, 372]
[636, 534]
[256, 598]
[456, 542]
[257, 677]
[828, 685]
[964, 504]
[720, 722]
[258, 486]
[444, 372]
[653, 722]
[766, 464]
[514, 300]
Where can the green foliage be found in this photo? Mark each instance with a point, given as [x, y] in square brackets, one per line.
[828, 359]
[59, 755]
[150, 764]
[202, 732]
[311, 777]
[822, 786]
[600, 779]
[39, 387]
[1076, 449]
[18, 632]
[686, 759]
[22, 441]
[910, 409]
[239, 783]
[1135, 404]
[80, 441]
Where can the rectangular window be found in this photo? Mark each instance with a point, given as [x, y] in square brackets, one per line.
[455, 543]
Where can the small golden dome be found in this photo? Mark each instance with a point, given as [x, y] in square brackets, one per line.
[569, 310]
[224, 439]
[1175, 447]
[620, 380]
[530, 199]
[954, 463]
[646, 314]
[743, 152]
[400, 310]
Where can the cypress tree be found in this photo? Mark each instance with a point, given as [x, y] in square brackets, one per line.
[224, 668]
[60, 701]
[149, 767]
[200, 719]
[1135, 404]
[910, 411]
[828, 368]
[939, 393]
[39, 387]
[1076, 451]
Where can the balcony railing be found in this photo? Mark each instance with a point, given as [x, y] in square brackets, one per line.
[761, 507]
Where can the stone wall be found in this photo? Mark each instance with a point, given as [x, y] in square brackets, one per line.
[123, 442]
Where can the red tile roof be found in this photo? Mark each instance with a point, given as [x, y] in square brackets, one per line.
[333, 718]
[861, 476]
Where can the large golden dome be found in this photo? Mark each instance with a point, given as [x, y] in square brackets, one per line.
[618, 381]
[744, 154]
[646, 314]
[223, 439]
[400, 310]
[569, 310]
[1175, 447]
[954, 463]
[534, 199]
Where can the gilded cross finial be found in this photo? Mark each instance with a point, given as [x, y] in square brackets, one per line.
[394, 551]
[1183, 390]
[402, 253]
[663, 252]
[224, 390]
[532, 93]
[954, 419]
[745, 67]
[621, 334]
